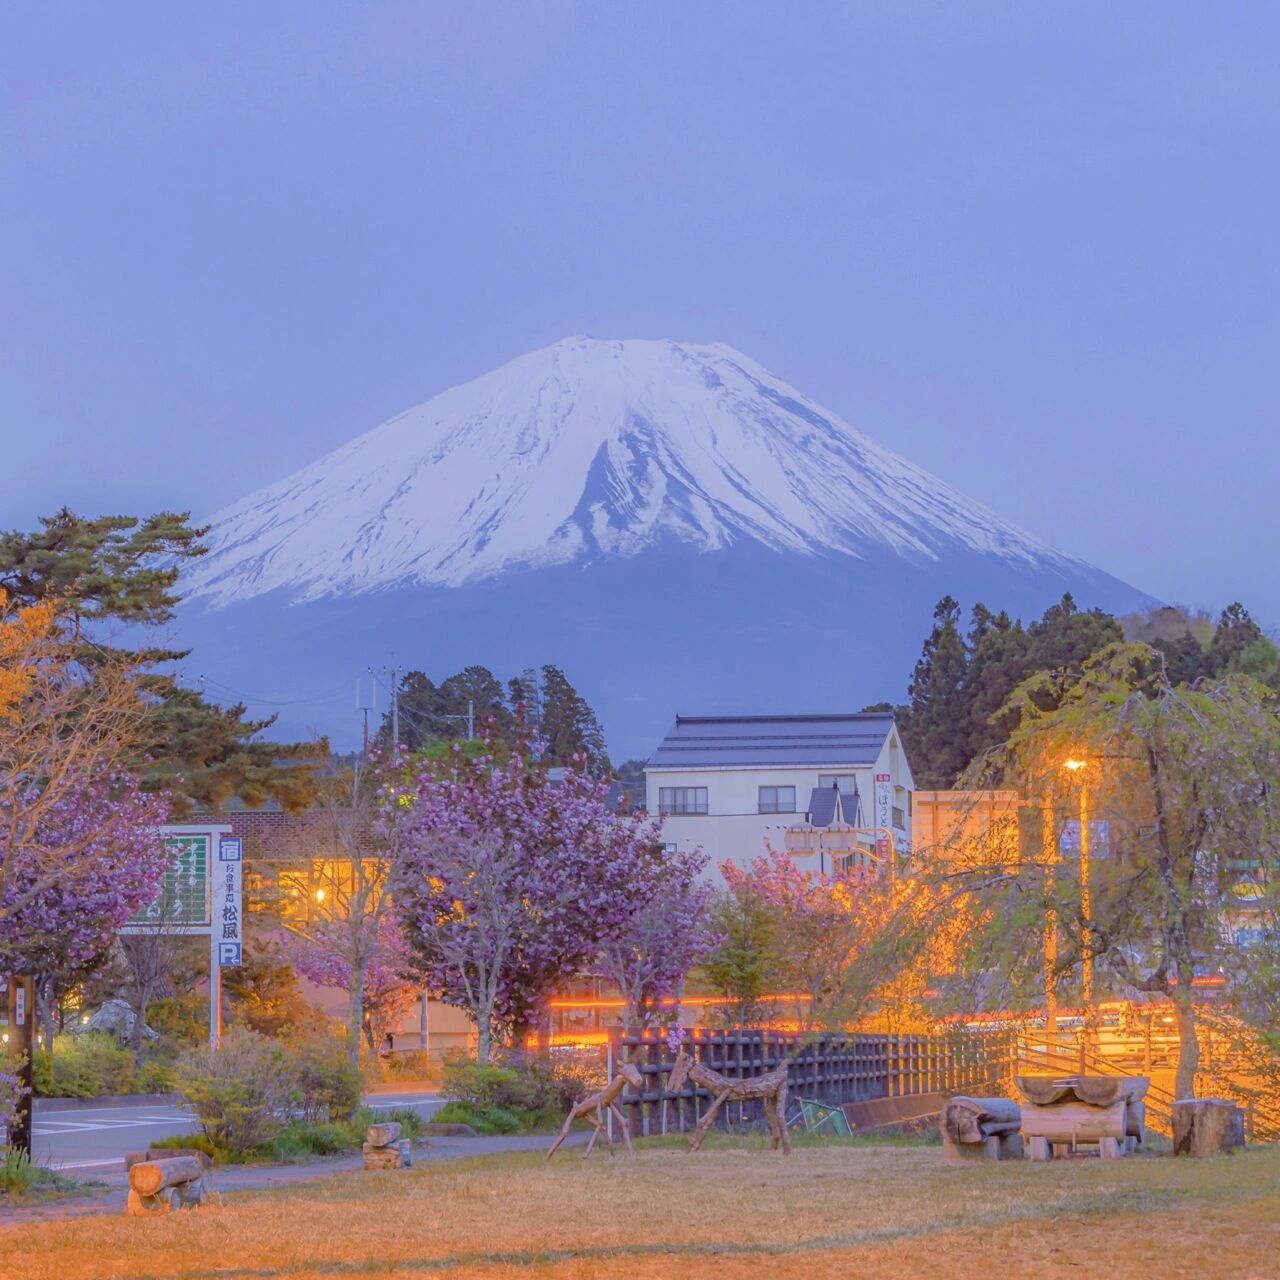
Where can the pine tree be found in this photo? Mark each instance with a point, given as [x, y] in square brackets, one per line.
[568, 725]
[936, 729]
[123, 570]
[1235, 635]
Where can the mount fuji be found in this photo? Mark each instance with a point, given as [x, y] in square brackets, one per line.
[672, 524]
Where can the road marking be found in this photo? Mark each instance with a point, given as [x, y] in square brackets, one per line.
[84, 1126]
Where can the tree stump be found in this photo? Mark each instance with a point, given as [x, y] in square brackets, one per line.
[1207, 1127]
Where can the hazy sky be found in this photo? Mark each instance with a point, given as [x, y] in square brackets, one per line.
[1033, 246]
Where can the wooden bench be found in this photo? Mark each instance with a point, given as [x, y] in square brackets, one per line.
[981, 1128]
[162, 1180]
[1061, 1114]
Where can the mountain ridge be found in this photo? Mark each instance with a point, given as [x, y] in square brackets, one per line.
[671, 525]
[591, 448]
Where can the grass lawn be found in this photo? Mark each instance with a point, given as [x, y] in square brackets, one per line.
[733, 1210]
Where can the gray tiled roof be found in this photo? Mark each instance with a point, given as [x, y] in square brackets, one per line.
[827, 805]
[782, 741]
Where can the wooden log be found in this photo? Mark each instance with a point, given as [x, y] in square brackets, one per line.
[149, 1177]
[1207, 1127]
[1040, 1149]
[966, 1119]
[167, 1153]
[165, 1201]
[1074, 1122]
[1110, 1148]
[383, 1135]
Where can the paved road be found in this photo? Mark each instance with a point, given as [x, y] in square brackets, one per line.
[95, 1139]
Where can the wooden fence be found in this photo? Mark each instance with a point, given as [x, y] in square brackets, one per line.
[831, 1069]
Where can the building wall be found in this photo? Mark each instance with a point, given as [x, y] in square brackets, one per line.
[955, 820]
[733, 829]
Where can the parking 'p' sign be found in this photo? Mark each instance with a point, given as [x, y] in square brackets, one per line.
[228, 902]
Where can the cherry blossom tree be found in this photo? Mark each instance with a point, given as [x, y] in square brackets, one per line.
[80, 850]
[649, 955]
[509, 878]
[819, 922]
[342, 933]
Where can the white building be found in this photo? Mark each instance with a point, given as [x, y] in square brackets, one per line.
[727, 784]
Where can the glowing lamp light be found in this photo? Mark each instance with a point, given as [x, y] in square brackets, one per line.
[319, 895]
[1073, 765]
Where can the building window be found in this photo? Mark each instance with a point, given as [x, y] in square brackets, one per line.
[682, 800]
[777, 799]
[899, 818]
[670, 849]
[847, 783]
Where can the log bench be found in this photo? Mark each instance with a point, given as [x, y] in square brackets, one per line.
[161, 1181]
[980, 1128]
[1061, 1114]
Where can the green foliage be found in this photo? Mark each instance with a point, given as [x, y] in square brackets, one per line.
[325, 1085]
[83, 1066]
[17, 1174]
[539, 703]
[298, 1139]
[155, 1077]
[485, 1120]
[239, 1091]
[264, 991]
[122, 570]
[180, 1021]
[743, 964]
[534, 1093]
[961, 686]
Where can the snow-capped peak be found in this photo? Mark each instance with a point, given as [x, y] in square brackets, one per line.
[590, 448]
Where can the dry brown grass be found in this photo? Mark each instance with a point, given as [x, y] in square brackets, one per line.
[728, 1212]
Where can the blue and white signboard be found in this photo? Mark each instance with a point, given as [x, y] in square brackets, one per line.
[228, 903]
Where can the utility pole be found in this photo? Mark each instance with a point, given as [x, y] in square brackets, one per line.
[471, 719]
[395, 712]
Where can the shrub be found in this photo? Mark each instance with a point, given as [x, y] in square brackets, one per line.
[193, 1142]
[240, 1092]
[487, 1120]
[325, 1084]
[180, 1021]
[17, 1173]
[83, 1066]
[411, 1065]
[488, 1085]
[155, 1077]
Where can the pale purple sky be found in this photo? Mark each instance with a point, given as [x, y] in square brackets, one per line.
[1031, 246]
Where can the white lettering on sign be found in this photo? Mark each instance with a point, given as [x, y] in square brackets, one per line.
[20, 1004]
[884, 812]
[228, 903]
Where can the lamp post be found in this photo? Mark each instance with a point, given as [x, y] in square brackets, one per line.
[1086, 956]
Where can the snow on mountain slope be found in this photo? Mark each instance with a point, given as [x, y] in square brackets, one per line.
[590, 449]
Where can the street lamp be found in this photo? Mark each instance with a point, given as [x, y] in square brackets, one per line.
[1086, 956]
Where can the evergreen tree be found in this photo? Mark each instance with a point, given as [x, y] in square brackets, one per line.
[122, 570]
[477, 692]
[568, 725]
[999, 660]
[935, 732]
[1235, 636]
